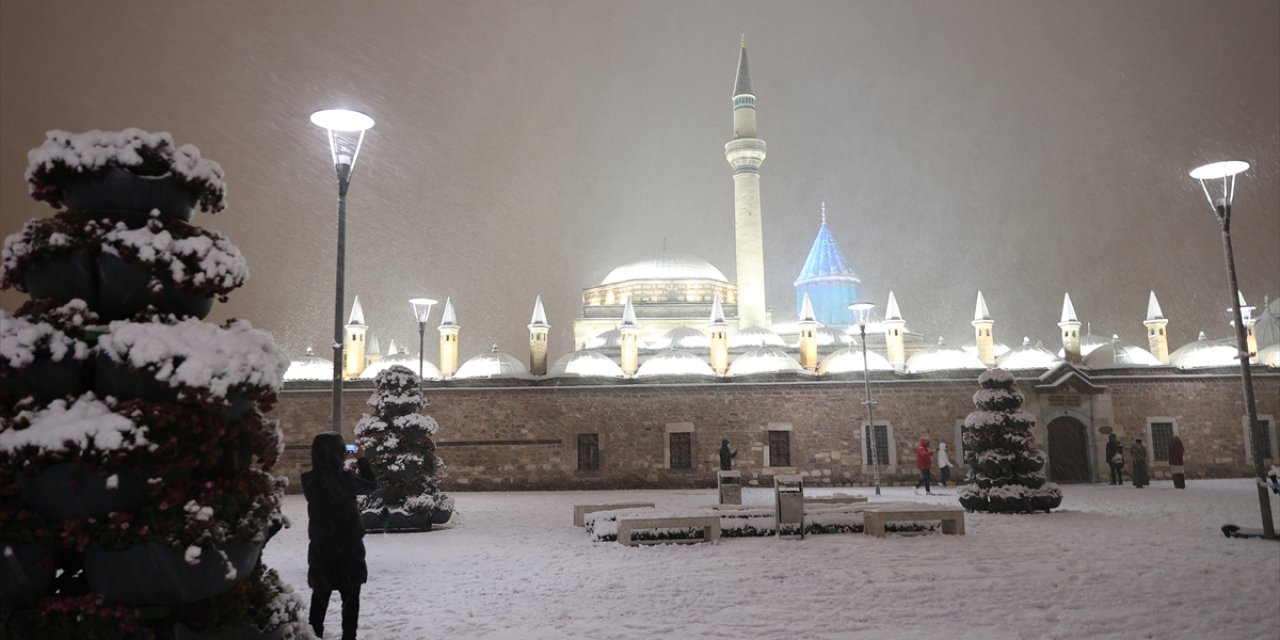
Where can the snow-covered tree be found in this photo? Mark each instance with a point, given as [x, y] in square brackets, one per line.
[1005, 471]
[397, 441]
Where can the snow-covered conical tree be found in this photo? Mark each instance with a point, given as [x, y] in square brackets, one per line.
[1004, 470]
[397, 441]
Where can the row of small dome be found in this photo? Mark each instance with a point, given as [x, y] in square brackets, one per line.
[679, 359]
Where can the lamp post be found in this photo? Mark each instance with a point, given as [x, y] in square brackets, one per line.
[862, 310]
[346, 133]
[1226, 171]
[421, 310]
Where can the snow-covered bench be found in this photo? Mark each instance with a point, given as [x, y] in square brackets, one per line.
[581, 510]
[874, 518]
[710, 526]
[839, 498]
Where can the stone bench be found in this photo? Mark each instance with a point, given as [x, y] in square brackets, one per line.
[839, 498]
[580, 511]
[873, 520]
[710, 526]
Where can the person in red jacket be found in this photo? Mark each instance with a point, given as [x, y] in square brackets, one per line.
[924, 462]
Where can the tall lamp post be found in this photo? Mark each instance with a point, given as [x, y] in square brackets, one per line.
[1210, 174]
[862, 310]
[346, 133]
[421, 310]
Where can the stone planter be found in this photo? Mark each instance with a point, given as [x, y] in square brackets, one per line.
[124, 289]
[26, 570]
[157, 574]
[64, 279]
[75, 490]
[46, 379]
[120, 194]
[183, 632]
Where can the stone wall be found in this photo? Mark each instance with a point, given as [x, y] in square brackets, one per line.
[525, 437]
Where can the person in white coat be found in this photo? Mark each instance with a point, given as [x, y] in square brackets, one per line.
[944, 465]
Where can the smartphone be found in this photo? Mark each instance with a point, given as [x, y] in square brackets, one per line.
[351, 448]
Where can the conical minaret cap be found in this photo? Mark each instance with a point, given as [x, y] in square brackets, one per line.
[357, 312]
[980, 311]
[806, 310]
[1068, 310]
[717, 312]
[448, 318]
[628, 314]
[1154, 313]
[742, 86]
[539, 318]
[374, 348]
[891, 311]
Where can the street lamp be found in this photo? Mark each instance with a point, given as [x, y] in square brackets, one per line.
[346, 132]
[862, 310]
[1226, 171]
[421, 310]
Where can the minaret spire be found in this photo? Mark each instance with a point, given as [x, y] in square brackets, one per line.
[745, 153]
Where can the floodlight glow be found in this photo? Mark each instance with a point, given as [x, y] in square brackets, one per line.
[342, 120]
[1215, 170]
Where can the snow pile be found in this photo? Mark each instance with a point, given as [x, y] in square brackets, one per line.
[197, 355]
[86, 424]
[194, 259]
[147, 154]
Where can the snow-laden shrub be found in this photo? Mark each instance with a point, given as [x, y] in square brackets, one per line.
[24, 338]
[1005, 471]
[45, 239]
[65, 156]
[190, 258]
[70, 429]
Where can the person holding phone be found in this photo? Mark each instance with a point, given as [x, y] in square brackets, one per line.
[335, 556]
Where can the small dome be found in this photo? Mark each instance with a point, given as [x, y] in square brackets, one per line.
[611, 339]
[585, 364]
[682, 338]
[830, 336]
[492, 365]
[1118, 355]
[1088, 342]
[406, 360]
[849, 360]
[309, 367]
[942, 358]
[755, 337]
[675, 362]
[1029, 357]
[1204, 353]
[666, 267]
[1269, 356]
[763, 360]
[998, 349]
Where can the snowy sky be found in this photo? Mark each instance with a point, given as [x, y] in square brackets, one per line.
[1026, 149]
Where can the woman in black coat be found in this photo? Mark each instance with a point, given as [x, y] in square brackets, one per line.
[335, 557]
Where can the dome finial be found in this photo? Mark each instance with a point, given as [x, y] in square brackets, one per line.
[744, 40]
[824, 212]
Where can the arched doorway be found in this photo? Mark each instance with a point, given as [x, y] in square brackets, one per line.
[1068, 451]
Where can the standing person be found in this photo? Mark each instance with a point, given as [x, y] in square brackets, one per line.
[944, 465]
[1139, 464]
[726, 456]
[1176, 452]
[335, 557]
[924, 463]
[1115, 459]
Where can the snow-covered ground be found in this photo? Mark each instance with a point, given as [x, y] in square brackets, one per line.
[1113, 562]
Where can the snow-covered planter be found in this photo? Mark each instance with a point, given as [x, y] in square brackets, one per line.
[258, 608]
[1005, 471]
[43, 351]
[53, 258]
[129, 170]
[226, 369]
[171, 266]
[62, 453]
[88, 616]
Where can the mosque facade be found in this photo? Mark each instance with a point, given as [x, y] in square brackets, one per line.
[671, 357]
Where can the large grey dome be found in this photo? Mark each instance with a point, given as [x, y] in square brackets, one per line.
[666, 267]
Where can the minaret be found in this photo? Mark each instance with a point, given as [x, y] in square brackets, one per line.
[1157, 341]
[719, 330]
[373, 353]
[538, 329]
[808, 336]
[982, 326]
[353, 349]
[745, 153]
[630, 340]
[449, 329]
[1070, 326]
[894, 334]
